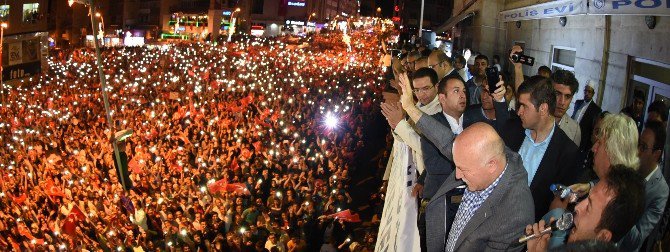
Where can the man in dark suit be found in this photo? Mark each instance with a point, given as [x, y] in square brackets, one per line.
[442, 64]
[548, 154]
[586, 112]
[650, 148]
[498, 202]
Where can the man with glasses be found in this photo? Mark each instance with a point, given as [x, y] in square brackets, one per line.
[650, 150]
[439, 62]
[409, 62]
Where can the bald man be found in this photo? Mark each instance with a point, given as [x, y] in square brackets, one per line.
[497, 203]
[442, 64]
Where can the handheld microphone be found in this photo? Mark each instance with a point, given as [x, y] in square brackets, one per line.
[563, 223]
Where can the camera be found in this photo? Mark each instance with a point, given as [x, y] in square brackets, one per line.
[523, 59]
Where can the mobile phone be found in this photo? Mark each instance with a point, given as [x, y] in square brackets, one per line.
[492, 78]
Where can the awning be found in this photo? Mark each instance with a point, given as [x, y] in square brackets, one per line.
[451, 22]
[652, 8]
[558, 8]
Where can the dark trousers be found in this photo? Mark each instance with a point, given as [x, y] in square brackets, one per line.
[421, 223]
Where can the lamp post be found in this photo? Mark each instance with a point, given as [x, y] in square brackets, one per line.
[3, 26]
[308, 19]
[103, 85]
[231, 30]
[101, 33]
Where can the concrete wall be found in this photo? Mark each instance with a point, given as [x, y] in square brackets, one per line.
[630, 37]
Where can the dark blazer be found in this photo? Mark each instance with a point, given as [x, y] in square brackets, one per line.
[656, 196]
[437, 166]
[587, 123]
[499, 221]
[559, 164]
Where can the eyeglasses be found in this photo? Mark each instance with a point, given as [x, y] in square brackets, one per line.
[642, 147]
[423, 89]
[434, 65]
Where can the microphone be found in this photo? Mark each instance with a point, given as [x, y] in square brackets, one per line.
[563, 223]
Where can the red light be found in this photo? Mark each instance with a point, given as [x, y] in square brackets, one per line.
[396, 8]
[396, 19]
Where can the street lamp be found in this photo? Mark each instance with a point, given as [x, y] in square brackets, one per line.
[308, 19]
[3, 26]
[231, 30]
[103, 85]
[101, 33]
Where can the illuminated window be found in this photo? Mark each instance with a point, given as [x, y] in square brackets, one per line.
[31, 12]
[4, 12]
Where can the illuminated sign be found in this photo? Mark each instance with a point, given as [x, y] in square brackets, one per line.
[293, 22]
[227, 13]
[297, 3]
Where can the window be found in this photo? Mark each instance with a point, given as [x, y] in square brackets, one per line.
[258, 7]
[563, 58]
[4, 12]
[650, 78]
[31, 12]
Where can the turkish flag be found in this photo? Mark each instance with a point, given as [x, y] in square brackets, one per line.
[52, 190]
[19, 200]
[217, 186]
[346, 215]
[70, 223]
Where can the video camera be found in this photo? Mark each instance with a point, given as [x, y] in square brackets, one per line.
[523, 59]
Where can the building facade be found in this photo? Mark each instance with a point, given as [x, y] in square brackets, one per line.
[24, 41]
[620, 45]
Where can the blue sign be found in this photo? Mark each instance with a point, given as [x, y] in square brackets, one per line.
[545, 10]
[630, 7]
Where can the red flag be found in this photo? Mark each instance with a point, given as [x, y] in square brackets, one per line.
[19, 200]
[234, 165]
[70, 223]
[25, 232]
[346, 216]
[257, 145]
[239, 188]
[52, 190]
[217, 186]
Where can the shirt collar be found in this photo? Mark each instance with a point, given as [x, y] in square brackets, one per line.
[545, 141]
[651, 173]
[486, 192]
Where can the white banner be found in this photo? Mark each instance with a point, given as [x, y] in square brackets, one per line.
[15, 54]
[630, 7]
[546, 10]
[398, 231]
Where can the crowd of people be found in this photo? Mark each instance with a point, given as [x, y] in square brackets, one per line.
[480, 161]
[243, 146]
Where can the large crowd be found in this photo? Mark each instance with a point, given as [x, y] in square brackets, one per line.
[243, 146]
